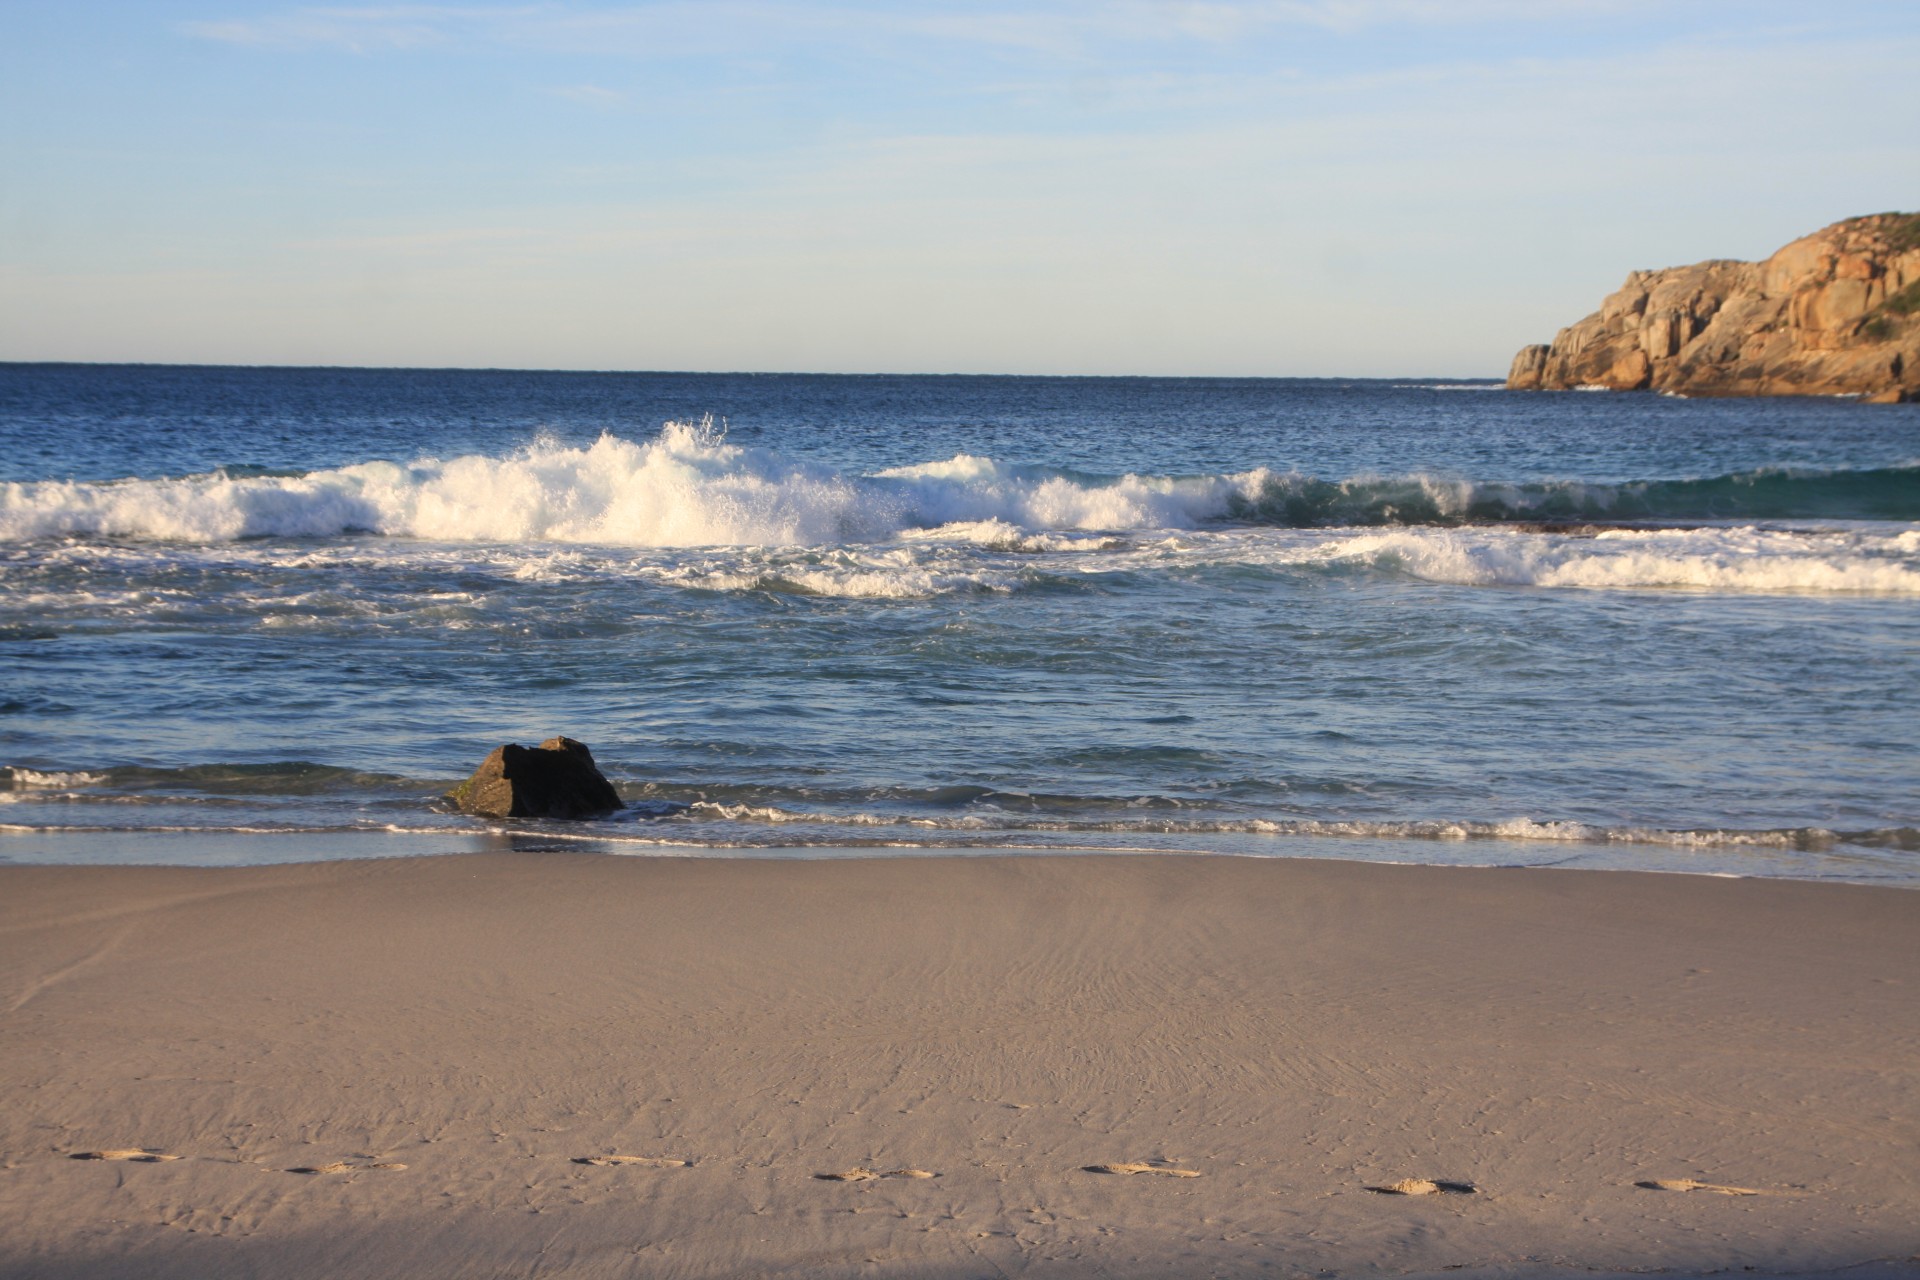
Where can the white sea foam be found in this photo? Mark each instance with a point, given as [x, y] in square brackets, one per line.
[999, 535]
[689, 487]
[24, 779]
[963, 524]
[685, 487]
[1445, 830]
[969, 490]
[991, 557]
[1715, 559]
[904, 582]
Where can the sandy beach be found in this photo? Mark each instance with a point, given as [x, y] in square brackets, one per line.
[520, 1065]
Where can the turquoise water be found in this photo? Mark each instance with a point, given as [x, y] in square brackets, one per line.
[255, 615]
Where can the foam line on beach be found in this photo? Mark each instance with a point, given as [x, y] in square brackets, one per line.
[687, 819]
[963, 809]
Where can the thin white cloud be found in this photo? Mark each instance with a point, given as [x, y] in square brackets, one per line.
[1357, 14]
[1073, 27]
[591, 95]
[355, 30]
[1358, 217]
[1069, 28]
[439, 239]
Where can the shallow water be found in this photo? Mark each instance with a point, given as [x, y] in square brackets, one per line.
[248, 615]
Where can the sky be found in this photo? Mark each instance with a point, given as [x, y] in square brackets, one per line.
[1232, 187]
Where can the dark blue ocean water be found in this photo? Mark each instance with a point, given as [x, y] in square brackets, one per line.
[250, 615]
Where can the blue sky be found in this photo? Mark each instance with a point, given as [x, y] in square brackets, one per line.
[1354, 187]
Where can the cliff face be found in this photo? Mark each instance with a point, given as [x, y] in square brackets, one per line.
[1834, 313]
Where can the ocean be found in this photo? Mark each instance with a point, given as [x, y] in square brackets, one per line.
[263, 615]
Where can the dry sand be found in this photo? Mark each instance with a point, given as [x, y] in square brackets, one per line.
[521, 1065]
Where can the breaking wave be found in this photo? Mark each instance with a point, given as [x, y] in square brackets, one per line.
[1714, 559]
[689, 487]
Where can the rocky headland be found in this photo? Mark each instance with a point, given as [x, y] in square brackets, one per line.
[1833, 313]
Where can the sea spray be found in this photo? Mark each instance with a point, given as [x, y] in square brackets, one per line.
[689, 487]
[686, 487]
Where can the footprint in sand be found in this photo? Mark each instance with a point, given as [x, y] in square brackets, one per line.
[1425, 1187]
[868, 1175]
[140, 1154]
[650, 1162]
[341, 1166]
[1141, 1166]
[1690, 1184]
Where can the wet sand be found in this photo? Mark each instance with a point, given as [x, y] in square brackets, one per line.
[561, 1065]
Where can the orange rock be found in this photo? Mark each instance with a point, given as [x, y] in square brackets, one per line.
[1821, 316]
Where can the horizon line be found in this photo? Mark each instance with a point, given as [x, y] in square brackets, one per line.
[749, 373]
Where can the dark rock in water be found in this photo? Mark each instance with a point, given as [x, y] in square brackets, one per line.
[556, 779]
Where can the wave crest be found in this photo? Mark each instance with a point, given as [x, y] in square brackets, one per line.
[689, 487]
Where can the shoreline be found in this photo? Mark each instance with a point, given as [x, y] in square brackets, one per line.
[1294, 1031]
[206, 849]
